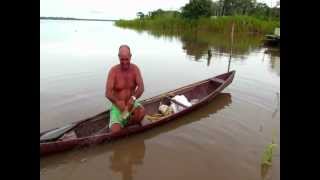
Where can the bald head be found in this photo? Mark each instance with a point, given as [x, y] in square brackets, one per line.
[124, 50]
[124, 57]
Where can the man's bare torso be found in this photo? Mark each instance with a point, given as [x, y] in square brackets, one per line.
[124, 82]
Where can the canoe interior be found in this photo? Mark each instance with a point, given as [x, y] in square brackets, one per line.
[99, 123]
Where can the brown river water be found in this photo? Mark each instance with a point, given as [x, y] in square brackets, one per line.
[224, 139]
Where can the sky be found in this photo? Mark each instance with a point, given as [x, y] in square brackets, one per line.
[110, 9]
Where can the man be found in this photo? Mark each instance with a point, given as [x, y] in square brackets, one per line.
[124, 86]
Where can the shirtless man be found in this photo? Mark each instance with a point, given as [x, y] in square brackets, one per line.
[124, 86]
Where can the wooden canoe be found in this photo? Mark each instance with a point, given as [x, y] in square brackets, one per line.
[94, 130]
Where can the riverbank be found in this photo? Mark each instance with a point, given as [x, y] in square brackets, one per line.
[177, 25]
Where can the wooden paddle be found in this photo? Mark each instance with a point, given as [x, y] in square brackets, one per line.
[56, 133]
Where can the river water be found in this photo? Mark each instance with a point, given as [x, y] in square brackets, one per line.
[222, 140]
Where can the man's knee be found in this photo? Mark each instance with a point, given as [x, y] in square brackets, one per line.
[139, 113]
[115, 127]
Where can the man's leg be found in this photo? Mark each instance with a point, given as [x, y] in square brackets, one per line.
[137, 115]
[115, 119]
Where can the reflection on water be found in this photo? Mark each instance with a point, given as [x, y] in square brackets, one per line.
[274, 54]
[227, 136]
[200, 44]
[264, 171]
[209, 57]
[277, 109]
[124, 156]
[197, 43]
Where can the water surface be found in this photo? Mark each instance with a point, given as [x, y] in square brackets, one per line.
[222, 140]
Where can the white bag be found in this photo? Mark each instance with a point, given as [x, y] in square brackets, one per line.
[181, 99]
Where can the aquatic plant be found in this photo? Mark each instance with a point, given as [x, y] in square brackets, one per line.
[268, 153]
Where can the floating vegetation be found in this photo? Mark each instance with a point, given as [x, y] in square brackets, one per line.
[268, 153]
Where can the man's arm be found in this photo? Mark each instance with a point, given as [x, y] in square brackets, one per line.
[140, 89]
[110, 86]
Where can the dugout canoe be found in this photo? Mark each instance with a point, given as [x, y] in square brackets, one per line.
[94, 130]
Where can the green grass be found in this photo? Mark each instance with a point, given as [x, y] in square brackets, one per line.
[176, 25]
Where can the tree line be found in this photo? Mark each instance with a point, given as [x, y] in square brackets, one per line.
[207, 8]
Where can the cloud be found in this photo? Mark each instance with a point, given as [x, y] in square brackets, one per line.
[104, 8]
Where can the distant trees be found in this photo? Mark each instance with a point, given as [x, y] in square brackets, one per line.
[158, 12]
[162, 13]
[262, 10]
[246, 7]
[197, 8]
[205, 8]
[235, 7]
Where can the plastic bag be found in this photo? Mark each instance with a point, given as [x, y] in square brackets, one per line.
[181, 99]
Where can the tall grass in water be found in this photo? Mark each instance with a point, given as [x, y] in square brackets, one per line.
[197, 36]
[176, 25]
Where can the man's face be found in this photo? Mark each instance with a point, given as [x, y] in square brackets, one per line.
[124, 57]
